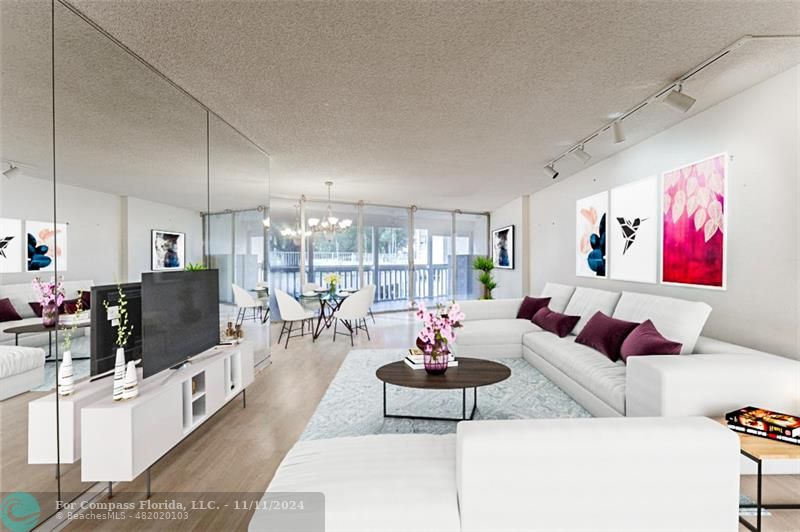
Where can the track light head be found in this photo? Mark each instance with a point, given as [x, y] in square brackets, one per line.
[551, 171]
[678, 100]
[13, 171]
[580, 154]
[619, 133]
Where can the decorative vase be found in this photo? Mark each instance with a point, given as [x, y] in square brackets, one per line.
[49, 314]
[436, 361]
[332, 289]
[66, 376]
[131, 382]
[119, 374]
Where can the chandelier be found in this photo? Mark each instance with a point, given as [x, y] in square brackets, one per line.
[297, 233]
[330, 224]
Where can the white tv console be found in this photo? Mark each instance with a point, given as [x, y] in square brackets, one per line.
[123, 439]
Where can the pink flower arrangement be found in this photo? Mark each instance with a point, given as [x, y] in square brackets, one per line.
[438, 329]
[50, 294]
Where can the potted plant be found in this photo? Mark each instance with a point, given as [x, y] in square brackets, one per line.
[485, 265]
[195, 267]
[119, 316]
[437, 334]
[51, 296]
[332, 280]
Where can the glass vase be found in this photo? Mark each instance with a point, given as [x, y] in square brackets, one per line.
[436, 361]
[49, 314]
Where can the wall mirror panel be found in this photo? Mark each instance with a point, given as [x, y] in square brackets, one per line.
[26, 217]
[131, 184]
[105, 178]
[236, 228]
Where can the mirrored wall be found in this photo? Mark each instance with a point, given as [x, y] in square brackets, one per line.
[111, 171]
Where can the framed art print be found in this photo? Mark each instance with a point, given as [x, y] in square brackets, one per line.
[167, 250]
[45, 242]
[633, 231]
[695, 223]
[590, 235]
[10, 245]
[503, 247]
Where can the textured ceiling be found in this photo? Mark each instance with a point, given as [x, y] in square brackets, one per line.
[442, 104]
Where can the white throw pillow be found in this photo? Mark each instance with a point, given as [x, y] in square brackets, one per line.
[585, 302]
[559, 295]
[678, 320]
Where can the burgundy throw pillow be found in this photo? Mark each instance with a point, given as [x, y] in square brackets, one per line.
[69, 306]
[646, 340]
[36, 307]
[86, 299]
[7, 311]
[605, 334]
[555, 322]
[530, 306]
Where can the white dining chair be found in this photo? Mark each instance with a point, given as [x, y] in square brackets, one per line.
[244, 301]
[353, 314]
[292, 312]
[372, 288]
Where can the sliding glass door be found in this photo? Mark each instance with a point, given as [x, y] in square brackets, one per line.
[433, 256]
[386, 255]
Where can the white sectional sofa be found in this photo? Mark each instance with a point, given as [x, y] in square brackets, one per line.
[708, 378]
[532, 475]
[21, 369]
[22, 294]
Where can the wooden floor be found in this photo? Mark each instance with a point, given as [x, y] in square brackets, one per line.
[235, 454]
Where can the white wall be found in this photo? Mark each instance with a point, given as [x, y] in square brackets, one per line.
[759, 129]
[108, 236]
[513, 283]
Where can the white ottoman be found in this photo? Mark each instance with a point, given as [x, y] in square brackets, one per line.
[21, 369]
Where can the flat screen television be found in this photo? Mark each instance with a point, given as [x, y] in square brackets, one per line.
[104, 333]
[180, 317]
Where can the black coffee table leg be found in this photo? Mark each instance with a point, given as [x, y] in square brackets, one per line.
[435, 418]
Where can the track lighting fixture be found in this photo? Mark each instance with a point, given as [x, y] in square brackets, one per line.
[551, 171]
[678, 100]
[580, 154]
[13, 171]
[619, 133]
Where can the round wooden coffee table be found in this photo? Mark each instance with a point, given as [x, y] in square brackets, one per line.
[470, 373]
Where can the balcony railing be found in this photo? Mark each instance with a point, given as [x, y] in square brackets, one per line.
[430, 281]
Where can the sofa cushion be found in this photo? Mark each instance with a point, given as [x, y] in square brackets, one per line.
[374, 483]
[646, 340]
[678, 320]
[7, 311]
[555, 322]
[490, 332]
[17, 359]
[585, 302]
[589, 368]
[606, 334]
[559, 295]
[530, 306]
[489, 309]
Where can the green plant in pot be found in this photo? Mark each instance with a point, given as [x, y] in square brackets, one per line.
[195, 267]
[485, 265]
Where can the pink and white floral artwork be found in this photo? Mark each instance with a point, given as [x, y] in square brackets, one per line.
[695, 223]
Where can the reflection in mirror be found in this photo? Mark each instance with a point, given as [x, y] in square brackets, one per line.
[131, 184]
[236, 233]
[29, 248]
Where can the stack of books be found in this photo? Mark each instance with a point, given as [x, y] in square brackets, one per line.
[765, 424]
[415, 359]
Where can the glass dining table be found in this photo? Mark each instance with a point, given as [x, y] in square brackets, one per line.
[329, 303]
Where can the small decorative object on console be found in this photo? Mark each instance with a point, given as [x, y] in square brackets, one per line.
[66, 374]
[119, 318]
[765, 423]
[131, 383]
[437, 334]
